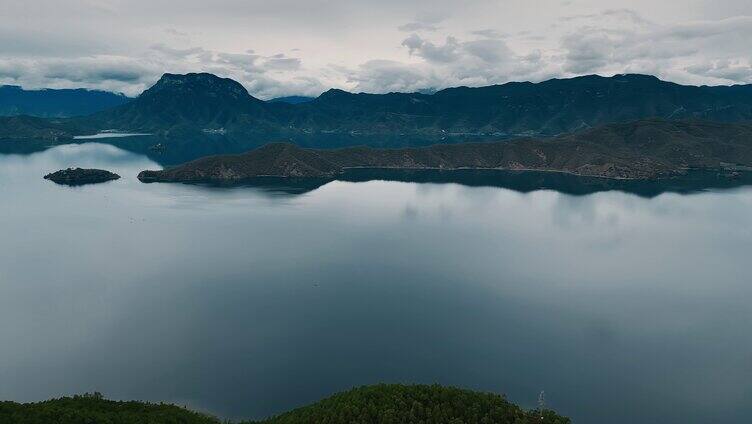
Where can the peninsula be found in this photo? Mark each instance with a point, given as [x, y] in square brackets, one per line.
[646, 149]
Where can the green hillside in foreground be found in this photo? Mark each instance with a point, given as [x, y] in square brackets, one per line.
[435, 404]
[380, 404]
[93, 409]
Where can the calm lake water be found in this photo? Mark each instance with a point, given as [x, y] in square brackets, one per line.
[245, 302]
[108, 135]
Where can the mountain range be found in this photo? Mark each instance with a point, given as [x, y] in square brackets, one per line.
[625, 126]
[51, 103]
[195, 104]
[181, 104]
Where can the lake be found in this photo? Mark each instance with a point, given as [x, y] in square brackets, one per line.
[247, 301]
[110, 134]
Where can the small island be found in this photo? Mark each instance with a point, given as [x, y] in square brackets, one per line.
[81, 176]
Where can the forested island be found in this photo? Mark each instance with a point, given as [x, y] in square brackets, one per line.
[81, 176]
[379, 404]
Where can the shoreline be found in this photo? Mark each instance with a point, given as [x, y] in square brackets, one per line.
[233, 181]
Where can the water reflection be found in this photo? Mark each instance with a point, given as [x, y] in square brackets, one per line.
[169, 152]
[244, 302]
[107, 135]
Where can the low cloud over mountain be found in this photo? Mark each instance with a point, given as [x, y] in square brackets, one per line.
[286, 48]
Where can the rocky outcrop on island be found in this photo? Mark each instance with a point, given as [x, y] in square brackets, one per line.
[80, 176]
[649, 149]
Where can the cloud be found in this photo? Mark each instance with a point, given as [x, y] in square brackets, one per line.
[489, 51]
[739, 26]
[111, 73]
[482, 56]
[426, 21]
[622, 14]
[11, 70]
[122, 70]
[730, 70]
[177, 53]
[283, 63]
[417, 26]
[587, 51]
[453, 51]
[490, 33]
[690, 52]
[291, 47]
[175, 32]
[264, 76]
[383, 76]
[448, 52]
[453, 62]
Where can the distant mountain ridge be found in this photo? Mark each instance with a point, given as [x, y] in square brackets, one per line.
[204, 102]
[198, 105]
[293, 100]
[56, 103]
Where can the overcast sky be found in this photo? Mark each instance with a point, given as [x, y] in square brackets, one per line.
[284, 47]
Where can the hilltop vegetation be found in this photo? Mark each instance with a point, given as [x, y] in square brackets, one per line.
[93, 409]
[386, 404]
[380, 404]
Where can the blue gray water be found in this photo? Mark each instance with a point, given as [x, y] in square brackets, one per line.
[244, 302]
[112, 134]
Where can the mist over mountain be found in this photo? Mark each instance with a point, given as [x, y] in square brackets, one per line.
[52, 103]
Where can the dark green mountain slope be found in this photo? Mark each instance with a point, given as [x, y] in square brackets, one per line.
[204, 102]
[93, 409]
[30, 127]
[547, 108]
[198, 105]
[646, 149]
[563, 105]
[53, 103]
